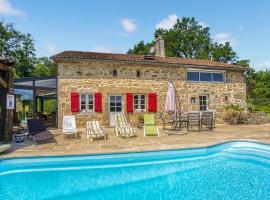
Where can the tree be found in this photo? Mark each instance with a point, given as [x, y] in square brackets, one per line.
[188, 39]
[20, 46]
[44, 67]
[259, 91]
[141, 48]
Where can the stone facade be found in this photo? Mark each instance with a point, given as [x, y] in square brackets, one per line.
[97, 76]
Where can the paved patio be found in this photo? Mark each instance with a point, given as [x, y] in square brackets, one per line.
[167, 140]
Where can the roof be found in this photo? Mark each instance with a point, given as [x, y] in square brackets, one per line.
[70, 55]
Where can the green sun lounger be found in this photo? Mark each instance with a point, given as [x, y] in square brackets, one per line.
[150, 128]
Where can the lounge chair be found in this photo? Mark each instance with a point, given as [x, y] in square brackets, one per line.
[69, 125]
[94, 130]
[38, 131]
[194, 121]
[150, 128]
[4, 147]
[207, 121]
[122, 127]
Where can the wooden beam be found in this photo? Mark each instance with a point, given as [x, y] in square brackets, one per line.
[6, 67]
[3, 83]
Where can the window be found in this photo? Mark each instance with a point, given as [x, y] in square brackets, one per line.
[203, 102]
[205, 76]
[138, 73]
[139, 102]
[218, 77]
[86, 103]
[114, 72]
[193, 100]
[193, 76]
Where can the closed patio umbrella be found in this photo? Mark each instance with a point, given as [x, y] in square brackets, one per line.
[171, 101]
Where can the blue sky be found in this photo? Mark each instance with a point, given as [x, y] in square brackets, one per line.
[115, 26]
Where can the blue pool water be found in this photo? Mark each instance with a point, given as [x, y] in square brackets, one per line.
[234, 170]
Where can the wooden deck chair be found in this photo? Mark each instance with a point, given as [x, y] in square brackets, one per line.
[150, 128]
[95, 131]
[207, 121]
[69, 125]
[194, 121]
[122, 127]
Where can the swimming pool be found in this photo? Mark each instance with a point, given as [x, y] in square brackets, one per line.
[233, 170]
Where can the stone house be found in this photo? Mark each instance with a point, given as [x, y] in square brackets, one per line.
[98, 85]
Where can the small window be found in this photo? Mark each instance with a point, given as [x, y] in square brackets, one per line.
[114, 72]
[139, 102]
[205, 76]
[218, 77]
[193, 100]
[193, 76]
[138, 73]
[203, 102]
[86, 103]
[226, 99]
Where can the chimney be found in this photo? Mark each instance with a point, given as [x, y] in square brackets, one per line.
[159, 47]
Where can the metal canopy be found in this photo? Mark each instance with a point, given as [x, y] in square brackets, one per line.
[31, 83]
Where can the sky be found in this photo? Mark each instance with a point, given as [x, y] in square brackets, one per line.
[115, 26]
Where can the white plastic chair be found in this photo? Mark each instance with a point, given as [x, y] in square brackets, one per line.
[69, 125]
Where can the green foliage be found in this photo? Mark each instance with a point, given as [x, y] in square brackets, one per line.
[141, 48]
[19, 45]
[50, 105]
[44, 67]
[188, 39]
[258, 91]
[235, 107]
[234, 114]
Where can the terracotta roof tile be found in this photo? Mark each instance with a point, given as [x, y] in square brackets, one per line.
[140, 59]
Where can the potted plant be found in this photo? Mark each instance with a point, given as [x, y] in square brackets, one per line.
[140, 121]
[234, 114]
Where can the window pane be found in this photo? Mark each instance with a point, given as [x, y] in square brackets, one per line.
[142, 107]
[218, 77]
[112, 109]
[205, 76]
[142, 97]
[136, 106]
[118, 99]
[118, 109]
[136, 101]
[193, 76]
[136, 97]
[83, 106]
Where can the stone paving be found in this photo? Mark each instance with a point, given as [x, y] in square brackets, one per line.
[166, 140]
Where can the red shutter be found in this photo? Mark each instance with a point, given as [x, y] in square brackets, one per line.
[74, 102]
[129, 102]
[152, 102]
[98, 102]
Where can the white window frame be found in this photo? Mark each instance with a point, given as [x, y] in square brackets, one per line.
[87, 109]
[206, 102]
[139, 103]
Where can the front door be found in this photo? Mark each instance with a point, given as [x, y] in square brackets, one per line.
[115, 107]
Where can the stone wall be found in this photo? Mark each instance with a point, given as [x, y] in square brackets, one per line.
[92, 76]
